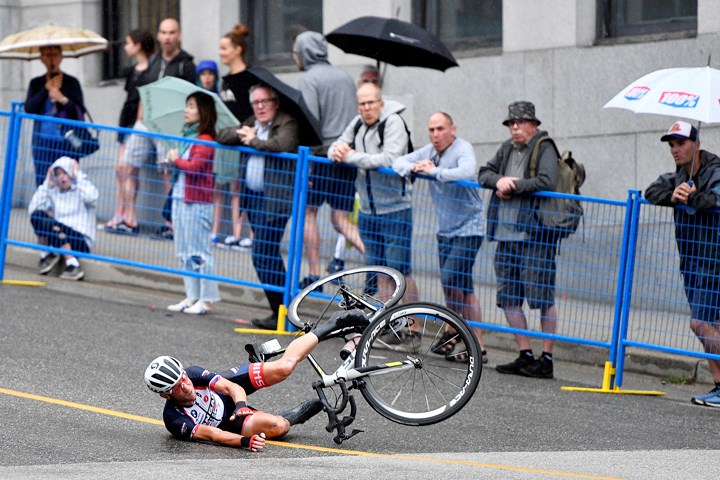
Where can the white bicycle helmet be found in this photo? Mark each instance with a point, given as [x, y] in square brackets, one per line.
[163, 373]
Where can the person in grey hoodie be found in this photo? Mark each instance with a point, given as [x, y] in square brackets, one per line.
[385, 218]
[329, 93]
[62, 213]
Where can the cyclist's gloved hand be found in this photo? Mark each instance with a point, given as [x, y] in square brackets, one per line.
[254, 443]
[241, 410]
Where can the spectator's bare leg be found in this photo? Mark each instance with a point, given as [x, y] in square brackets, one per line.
[516, 319]
[237, 222]
[342, 224]
[130, 194]
[311, 239]
[709, 336]
[548, 322]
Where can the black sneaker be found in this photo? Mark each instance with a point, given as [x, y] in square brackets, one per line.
[303, 412]
[46, 264]
[516, 365]
[73, 272]
[307, 281]
[164, 233]
[125, 229]
[341, 323]
[268, 323]
[540, 368]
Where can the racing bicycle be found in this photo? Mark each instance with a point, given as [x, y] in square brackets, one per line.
[390, 361]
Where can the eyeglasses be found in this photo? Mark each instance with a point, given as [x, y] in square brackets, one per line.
[519, 122]
[262, 101]
[369, 103]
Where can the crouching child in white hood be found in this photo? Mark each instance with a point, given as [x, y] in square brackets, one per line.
[62, 213]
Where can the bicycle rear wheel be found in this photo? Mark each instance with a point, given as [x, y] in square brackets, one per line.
[405, 381]
[372, 289]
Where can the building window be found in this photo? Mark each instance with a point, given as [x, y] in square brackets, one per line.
[623, 18]
[461, 24]
[274, 24]
[120, 17]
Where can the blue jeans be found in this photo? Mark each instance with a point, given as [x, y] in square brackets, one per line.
[57, 234]
[387, 239]
[192, 224]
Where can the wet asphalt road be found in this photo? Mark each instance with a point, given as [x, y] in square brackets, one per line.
[89, 344]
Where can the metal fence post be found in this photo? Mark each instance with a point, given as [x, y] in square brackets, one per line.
[295, 248]
[8, 180]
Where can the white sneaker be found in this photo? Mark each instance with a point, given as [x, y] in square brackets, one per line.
[199, 308]
[180, 307]
[246, 242]
[230, 241]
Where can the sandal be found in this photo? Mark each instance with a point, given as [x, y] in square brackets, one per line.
[445, 344]
[463, 357]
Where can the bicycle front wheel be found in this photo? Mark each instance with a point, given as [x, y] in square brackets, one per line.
[405, 382]
[372, 289]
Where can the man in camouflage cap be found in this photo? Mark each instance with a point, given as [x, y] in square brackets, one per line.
[525, 254]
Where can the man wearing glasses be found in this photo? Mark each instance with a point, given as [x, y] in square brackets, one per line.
[269, 184]
[525, 257]
[385, 218]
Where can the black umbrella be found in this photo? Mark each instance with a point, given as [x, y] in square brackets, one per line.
[392, 41]
[292, 103]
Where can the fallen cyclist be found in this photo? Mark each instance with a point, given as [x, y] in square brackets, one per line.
[207, 406]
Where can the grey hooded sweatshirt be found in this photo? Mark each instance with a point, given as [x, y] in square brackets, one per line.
[380, 193]
[328, 91]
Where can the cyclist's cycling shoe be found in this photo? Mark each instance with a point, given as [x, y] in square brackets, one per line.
[260, 353]
[341, 323]
[303, 412]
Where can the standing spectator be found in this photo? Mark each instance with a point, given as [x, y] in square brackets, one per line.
[524, 262]
[370, 74]
[139, 45]
[192, 205]
[461, 220]
[385, 218]
[62, 213]
[269, 184]
[171, 61]
[207, 75]
[329, 93]
[55, 94]
[235, 93]
[695, 184]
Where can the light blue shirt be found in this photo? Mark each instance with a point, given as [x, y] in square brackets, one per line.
[255, 174]
[459, 208]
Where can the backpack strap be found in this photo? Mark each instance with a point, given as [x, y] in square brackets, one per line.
[381, 133]
[536, 153]
[356, 129]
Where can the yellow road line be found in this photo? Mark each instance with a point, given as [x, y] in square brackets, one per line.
[338, 451]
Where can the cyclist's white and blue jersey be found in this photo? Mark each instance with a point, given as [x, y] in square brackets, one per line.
[211, 408]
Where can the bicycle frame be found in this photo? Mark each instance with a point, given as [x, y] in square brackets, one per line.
[344, 374]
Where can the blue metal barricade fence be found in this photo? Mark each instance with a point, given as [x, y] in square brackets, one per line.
[617, 282]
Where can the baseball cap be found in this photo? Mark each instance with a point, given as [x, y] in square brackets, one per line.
[682, 130]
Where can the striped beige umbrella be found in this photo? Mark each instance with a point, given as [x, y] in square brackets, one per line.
[74, 42]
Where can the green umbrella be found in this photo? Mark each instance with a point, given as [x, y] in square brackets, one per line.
[163, 104]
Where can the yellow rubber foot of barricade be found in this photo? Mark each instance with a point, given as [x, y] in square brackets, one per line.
[607, 387]
[23, 283]
[615, 390]
[260, 331]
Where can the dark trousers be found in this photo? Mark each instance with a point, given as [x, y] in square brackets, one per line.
[267, 260]
[57, 234]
